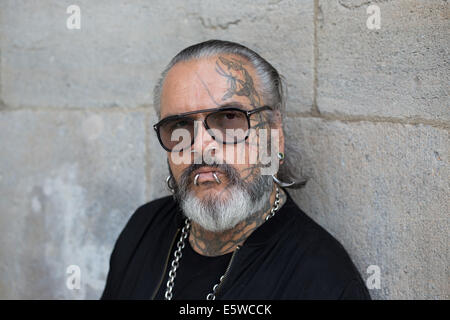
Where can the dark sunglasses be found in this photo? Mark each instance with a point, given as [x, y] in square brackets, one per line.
[228, 125]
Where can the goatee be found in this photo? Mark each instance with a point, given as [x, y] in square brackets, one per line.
[221, 211]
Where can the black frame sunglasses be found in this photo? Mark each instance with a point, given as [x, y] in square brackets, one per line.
[212, 111]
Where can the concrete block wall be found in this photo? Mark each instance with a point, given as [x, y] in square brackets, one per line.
[368, 110]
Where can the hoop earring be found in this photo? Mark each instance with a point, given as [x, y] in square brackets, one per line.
[172, 189]
[279, 182]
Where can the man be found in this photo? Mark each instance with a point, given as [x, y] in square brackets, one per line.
[230, 230]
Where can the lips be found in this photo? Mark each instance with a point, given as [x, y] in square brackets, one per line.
[206, 174]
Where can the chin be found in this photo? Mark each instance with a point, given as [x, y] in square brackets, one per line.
[216, 210]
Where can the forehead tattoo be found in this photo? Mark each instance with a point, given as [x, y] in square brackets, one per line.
[239, 81]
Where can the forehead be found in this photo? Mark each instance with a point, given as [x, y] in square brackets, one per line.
[205, 83]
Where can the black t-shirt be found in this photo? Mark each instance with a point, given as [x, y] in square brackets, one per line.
[288, 257]
[196, 275]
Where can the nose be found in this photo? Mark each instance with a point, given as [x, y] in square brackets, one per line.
[202, 139]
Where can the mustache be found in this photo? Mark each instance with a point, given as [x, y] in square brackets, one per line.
[256, 188]
[182, 187]
[229, 171]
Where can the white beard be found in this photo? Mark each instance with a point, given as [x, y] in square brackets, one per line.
[216, 214]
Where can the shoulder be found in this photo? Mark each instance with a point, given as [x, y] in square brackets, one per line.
[319, 248]
[141, 220]
[130, 238]
[149, 210]
[322, 260]
[146, 214]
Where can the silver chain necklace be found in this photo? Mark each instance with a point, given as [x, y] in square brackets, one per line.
[180, 246]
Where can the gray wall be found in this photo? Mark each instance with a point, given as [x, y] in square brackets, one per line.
[368, 110]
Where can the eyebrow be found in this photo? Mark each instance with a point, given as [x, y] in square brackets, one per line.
[234, 104]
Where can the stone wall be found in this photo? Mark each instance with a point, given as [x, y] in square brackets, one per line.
[368, 110]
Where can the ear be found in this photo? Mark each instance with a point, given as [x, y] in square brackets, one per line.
[278, 124]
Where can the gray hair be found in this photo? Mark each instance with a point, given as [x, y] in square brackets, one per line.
[272, 89]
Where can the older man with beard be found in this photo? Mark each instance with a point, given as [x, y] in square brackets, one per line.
[230, 230]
